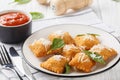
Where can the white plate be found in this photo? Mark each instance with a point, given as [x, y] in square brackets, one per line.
[73, 29]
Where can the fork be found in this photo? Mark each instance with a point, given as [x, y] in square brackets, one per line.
[6, 61]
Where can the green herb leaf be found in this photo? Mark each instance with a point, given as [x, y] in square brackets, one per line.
[95, 56]
[22, 1]
[93, 34]
[88, 34]
[57, 43]
[117, 0]
[67, 69]
[80, 34]
[36, 15]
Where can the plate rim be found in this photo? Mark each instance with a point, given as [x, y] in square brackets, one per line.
[69, 76]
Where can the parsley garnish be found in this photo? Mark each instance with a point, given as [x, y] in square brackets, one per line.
[57, 43]
[117, 0]
[36, 15]
[88, 34]
[95, 56]
[67, 69]
[22, 1]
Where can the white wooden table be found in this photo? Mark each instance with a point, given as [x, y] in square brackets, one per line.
[107, 11]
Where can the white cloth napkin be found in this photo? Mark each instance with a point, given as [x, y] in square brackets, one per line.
[84, 18]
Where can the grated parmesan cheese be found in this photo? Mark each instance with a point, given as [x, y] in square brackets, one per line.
[82, 48]
[69, 47]
[88, 37]
[99, 48]
[45, 42]
[82, 58]
[58, 57]
[93, 55]
[59, 33]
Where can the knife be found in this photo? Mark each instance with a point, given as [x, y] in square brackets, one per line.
[20, 64]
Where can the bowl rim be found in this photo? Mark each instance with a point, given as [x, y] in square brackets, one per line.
[26, 13]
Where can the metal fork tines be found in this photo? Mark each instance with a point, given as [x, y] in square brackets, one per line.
[6, 61]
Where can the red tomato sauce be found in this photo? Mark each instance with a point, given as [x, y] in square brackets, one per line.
[13, 19]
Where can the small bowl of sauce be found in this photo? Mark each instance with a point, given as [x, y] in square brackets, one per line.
[15, 26]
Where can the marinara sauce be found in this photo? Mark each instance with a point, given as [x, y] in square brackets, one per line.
[13, 19]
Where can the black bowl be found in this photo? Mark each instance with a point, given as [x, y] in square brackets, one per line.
[15, 34]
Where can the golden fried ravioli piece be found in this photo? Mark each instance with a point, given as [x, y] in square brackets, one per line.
[55, 64]
[62, 35]
[82, 62]
[56, 51]
[87, 41]
[104, 51]
[69, 51]
[40, 47]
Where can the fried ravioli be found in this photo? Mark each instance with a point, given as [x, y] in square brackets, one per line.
[55, 64]
[40, 47]
[69, 51]
[62, 35]
[104, 51]
[82, 62]
[87, 41]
